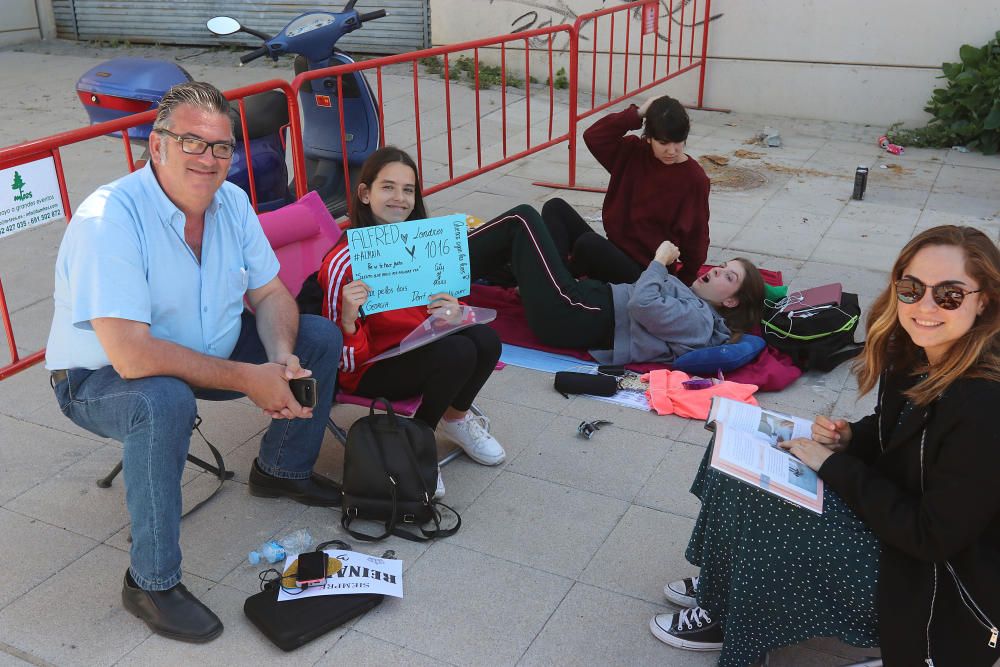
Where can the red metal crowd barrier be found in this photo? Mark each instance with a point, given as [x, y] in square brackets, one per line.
[677, 58]
[53, 146]
[456, 173]
[458, 164]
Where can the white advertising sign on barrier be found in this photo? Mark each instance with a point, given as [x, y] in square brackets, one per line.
[29, 196]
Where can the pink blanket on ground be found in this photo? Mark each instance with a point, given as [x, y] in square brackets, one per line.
[770, 371]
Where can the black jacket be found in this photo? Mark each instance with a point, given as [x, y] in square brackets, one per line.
[947, 515]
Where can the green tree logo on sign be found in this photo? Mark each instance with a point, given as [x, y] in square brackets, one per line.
[18, 185]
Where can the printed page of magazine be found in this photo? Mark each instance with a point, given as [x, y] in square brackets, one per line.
[746, 447]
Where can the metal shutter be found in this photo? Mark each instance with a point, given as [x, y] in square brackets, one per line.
[406, 28]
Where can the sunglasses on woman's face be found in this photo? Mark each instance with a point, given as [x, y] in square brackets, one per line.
[946, 295]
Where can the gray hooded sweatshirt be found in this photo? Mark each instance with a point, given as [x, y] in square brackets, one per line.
[658, 318]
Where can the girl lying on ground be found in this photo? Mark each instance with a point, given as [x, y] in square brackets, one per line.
[655, 319]
[909, 538]
[656, 193]
[449, 372]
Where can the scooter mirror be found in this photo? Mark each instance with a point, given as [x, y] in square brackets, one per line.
[223, 25]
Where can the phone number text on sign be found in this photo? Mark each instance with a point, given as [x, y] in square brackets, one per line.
[405, 263]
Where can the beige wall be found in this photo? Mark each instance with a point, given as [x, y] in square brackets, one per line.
[851, 60]
[18, 21]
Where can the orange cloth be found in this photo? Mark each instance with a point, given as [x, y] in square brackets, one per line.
[667, 396]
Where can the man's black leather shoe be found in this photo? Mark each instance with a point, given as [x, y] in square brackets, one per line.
[315, 490]
[173, 613]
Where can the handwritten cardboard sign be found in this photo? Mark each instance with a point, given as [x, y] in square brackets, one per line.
[405, 263]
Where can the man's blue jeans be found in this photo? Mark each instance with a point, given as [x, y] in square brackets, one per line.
[153, 418]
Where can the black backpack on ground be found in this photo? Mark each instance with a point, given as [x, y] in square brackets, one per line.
[816, 338]
[390, 475]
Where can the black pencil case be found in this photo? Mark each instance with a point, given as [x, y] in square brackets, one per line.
[568, 382]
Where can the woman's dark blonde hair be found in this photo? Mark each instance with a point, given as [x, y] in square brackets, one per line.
[745, 315]
[976, 354]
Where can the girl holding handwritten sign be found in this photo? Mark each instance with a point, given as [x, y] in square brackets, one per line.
[448, 372]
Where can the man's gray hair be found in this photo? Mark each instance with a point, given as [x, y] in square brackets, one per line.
[198, 94]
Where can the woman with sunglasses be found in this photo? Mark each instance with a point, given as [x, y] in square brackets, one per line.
[920, 474]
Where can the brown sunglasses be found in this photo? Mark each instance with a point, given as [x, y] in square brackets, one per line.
[946, 295]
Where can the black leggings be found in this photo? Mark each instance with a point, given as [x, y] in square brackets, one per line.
[561, 310]
[584, 251]
[447, 372]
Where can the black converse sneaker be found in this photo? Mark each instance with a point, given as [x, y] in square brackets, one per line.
[683, 592]
[690, 629]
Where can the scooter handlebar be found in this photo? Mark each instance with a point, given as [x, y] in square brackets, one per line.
[253, 55]
[371, 16]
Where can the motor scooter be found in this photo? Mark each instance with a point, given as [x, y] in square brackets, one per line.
[124, 86]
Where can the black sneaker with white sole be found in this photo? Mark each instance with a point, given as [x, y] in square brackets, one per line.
[690, 629]
[683, 592]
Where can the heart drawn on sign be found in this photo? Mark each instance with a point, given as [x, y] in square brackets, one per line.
[404, 237]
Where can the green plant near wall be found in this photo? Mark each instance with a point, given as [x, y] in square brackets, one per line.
[966, 111]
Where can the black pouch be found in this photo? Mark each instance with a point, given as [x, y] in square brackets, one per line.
[568, 382]
[293, 623]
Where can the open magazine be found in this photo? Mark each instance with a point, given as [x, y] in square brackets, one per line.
[746, 447]
[434, 328]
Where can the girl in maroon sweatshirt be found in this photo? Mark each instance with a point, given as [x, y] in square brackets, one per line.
[656, 193]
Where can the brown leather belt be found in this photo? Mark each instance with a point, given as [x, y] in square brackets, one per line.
[55, 377]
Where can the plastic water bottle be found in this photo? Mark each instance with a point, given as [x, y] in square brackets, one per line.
[274, 550]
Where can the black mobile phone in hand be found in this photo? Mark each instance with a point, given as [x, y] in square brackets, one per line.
[304, 391]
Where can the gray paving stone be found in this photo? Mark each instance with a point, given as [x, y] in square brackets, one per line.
[579, 627]
[357, 648]
[467, 628]
[82, 602]
[24, 539]
[539, 524]
[642, 554]
[26, 395]
[896, 196]
[964, 204]
[614, 462]
[695, 433]
[30, 454]
[784, 243]
[668, 490]
[861, 253]
[525, 387]
[969, 181]
[71, 499]
[12, 657]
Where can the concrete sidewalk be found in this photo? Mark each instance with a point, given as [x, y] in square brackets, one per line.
[565, 548]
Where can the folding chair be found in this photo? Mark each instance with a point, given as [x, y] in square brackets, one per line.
[300, 235]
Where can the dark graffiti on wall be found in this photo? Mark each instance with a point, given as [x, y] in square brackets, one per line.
[544, 14]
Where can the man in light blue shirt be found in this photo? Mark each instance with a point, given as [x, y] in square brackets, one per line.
[150, 283]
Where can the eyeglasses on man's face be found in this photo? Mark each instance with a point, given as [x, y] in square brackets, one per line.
[223, 150]
[946, 295]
